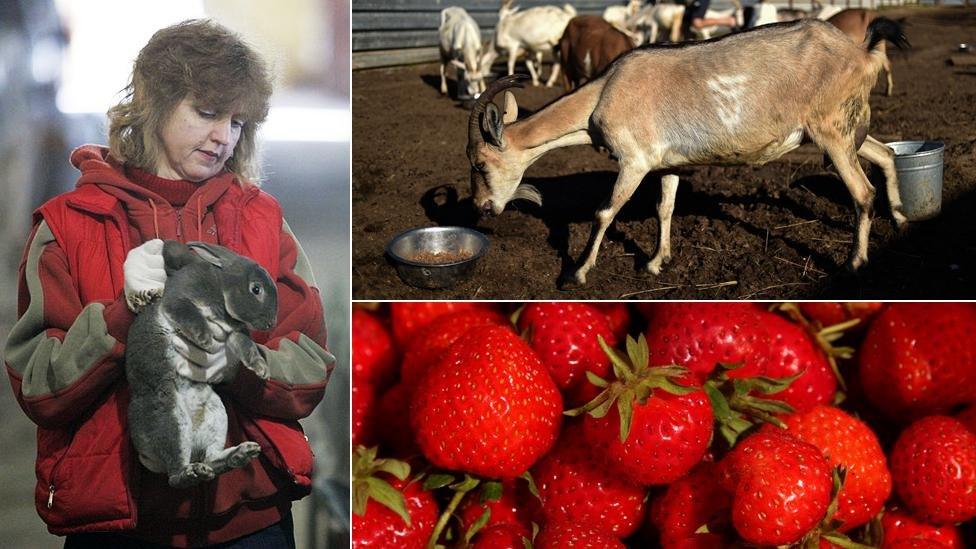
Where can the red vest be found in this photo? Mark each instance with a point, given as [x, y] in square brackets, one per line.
[88, 475]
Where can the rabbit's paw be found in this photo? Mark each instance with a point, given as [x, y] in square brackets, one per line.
[260, 367]
[245, 452]
[191, 475]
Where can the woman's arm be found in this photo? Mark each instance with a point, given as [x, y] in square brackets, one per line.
[296, 352]
[61, 355]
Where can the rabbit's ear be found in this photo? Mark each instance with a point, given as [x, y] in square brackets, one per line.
[208, 253]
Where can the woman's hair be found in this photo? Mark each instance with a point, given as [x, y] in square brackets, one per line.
[196, 59]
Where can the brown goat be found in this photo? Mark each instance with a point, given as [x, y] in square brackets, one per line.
[587, 48]
[854, 23]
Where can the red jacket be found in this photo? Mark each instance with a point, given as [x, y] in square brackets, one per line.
[65, 361]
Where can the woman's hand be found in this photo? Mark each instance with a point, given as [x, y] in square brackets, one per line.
[145, 274]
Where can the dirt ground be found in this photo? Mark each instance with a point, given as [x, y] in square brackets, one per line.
[780, 231]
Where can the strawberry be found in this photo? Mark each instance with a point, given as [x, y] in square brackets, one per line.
[390, 421]
[562, 535]
[830, 313]
[373, 356]
[780, 485]
[933, 464]
[501, 536]
[658, 429]
[504, 511]
[699, 336]
[433, 340]
[968, 418]
[914, 543]
[564, 335]
[695, 500]
[388, 510]
[705, 540]
[618, 314]
[363, 414]
[575, 486]
[847, 442]
[792, 352]
[918, 359]
[898, 525]
[488, 407]
[407, 317]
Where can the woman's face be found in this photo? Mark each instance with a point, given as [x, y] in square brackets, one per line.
[197, 142]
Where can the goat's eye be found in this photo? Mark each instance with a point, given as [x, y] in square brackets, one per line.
[256, 289]
[480, 166]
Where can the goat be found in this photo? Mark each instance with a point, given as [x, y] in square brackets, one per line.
[650, 18]
[534, 31]
[588, 47]
[746, 98]
[618, 15]
[790, 14]
[854, 23]
[460, 46]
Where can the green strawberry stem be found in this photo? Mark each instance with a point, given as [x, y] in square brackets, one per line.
[829, 527]
[737, 409]
[366, 485]
[635, 381]
[460, 490]
[825, 337]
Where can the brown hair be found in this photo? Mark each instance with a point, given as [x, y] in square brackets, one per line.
[202, 60]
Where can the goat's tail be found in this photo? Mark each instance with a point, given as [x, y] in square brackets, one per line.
[883, 28]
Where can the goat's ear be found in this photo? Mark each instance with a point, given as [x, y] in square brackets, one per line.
[493, 124]
[511, 108]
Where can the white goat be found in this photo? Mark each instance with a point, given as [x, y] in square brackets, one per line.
[460, 46]
[747, 98]
[534, 32]
[619, 15]
[650, 19]
[766, 13]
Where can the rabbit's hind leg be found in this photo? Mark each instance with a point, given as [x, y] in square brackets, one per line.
[225, 459]
[191, 475]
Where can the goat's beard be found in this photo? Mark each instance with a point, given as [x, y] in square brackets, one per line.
[528, 192]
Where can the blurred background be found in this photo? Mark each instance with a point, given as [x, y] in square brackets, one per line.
[62, 65]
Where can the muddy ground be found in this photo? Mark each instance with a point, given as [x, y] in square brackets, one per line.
[780, 231]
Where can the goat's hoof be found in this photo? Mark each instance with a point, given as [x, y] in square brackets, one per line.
[856, 263]
[901, 222]
[655, 265]
[572, 282]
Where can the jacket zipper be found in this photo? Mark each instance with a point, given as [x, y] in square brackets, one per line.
[51, 487]
[179, 224]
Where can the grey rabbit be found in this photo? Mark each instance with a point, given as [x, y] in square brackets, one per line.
[177, 425]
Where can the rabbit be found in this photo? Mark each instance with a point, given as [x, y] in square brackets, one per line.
[177, 425]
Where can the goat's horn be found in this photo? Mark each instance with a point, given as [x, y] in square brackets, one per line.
[503, 83]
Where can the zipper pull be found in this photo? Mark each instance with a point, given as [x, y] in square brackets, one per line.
[179, 224]
[50, 496]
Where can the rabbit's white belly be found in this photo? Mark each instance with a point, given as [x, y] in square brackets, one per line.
[201, 416]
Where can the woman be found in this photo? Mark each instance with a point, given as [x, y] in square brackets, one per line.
[179, 165]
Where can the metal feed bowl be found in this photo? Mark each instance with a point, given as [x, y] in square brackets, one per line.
[436, 257]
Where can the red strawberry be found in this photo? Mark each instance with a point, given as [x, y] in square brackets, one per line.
[781, 487]
[914, 543]
[501, 536]
[658, 430]
[564, 335]
[373, 355]
[407, 317]
[699, 336]
[933, 464]
[899, 525]
[391, 421]
[402, 514]
[847, 441]
[363, 413]
[488, 407]
[563, 535]
[792, 352]
[689, 503]
[575, 486]
[830, 313]
[697, 541]
[968, 418]
[505, 511]
[433, 340]
[618, 314]
[918, 359]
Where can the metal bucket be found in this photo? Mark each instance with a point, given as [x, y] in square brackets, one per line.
[919, 167]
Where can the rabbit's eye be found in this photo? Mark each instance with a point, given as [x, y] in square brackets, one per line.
[256, 289]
